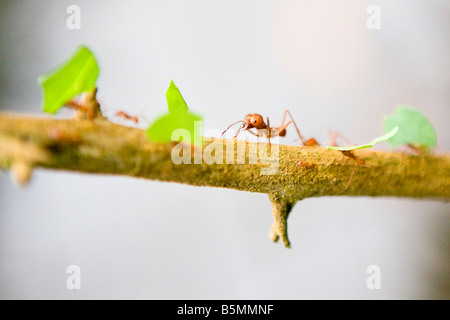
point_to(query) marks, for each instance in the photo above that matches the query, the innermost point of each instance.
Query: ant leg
(295, 125)
(237, 133)
(296, 128)
(283, 127)
(344, 138)
(142, 116)
(119, 118)
(333, 135)
(258, 134)
(284, 119)
(251, 132)
(76, 105)
(72, 104)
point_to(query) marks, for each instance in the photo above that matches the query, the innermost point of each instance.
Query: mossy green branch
(100, 147)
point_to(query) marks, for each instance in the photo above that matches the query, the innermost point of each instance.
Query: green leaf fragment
(175, 101)
(384, 137)
(164, 128)
(76, 75)
(415, 128)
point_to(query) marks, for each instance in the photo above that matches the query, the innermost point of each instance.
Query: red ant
(333, 135)
(82, 110)
(75, 105)
(87, 106)
(256, 121)
(348, 153)
(126, 116)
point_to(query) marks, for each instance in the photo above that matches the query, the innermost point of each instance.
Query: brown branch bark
(291, 174)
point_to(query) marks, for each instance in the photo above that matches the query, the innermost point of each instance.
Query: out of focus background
(141, 239)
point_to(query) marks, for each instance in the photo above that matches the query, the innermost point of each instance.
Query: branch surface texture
(294, 173)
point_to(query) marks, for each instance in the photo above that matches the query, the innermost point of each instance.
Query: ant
(333, 136)
(126, 116)
(87, 105)
(122, 115)
(255, 120)
(76, 105)
(348, 153)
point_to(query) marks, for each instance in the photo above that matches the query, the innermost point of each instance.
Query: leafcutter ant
(332, 137)
(76, 105)
(122, 115)
(256, 121)
(126, 116)
(87, 106)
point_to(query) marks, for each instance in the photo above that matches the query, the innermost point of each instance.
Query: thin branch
(102, 147)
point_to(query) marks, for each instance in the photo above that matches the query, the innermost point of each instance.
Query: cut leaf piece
(175, 101)
(76, 75)
(415, 128)
(161, 129)
(370, 144)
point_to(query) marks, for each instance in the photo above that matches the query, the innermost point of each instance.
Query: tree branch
(293, 173)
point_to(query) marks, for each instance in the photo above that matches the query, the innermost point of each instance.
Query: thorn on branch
(280, 211)
(21, 172)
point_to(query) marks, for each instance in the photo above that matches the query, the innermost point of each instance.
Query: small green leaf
(386, 136)
(76, 75)
(161, 129)
(370, 144)
(178, 117)
(175, 100)
(415, 128)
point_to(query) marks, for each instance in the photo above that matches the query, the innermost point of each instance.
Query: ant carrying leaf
(348, 151)
(87, 106)
(75, 76)
(384, 137)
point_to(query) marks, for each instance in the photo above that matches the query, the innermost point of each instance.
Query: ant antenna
(231, 126)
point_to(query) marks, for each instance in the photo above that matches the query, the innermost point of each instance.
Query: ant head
(254, 121)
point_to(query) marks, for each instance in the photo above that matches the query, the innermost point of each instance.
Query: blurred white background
(145, 239)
